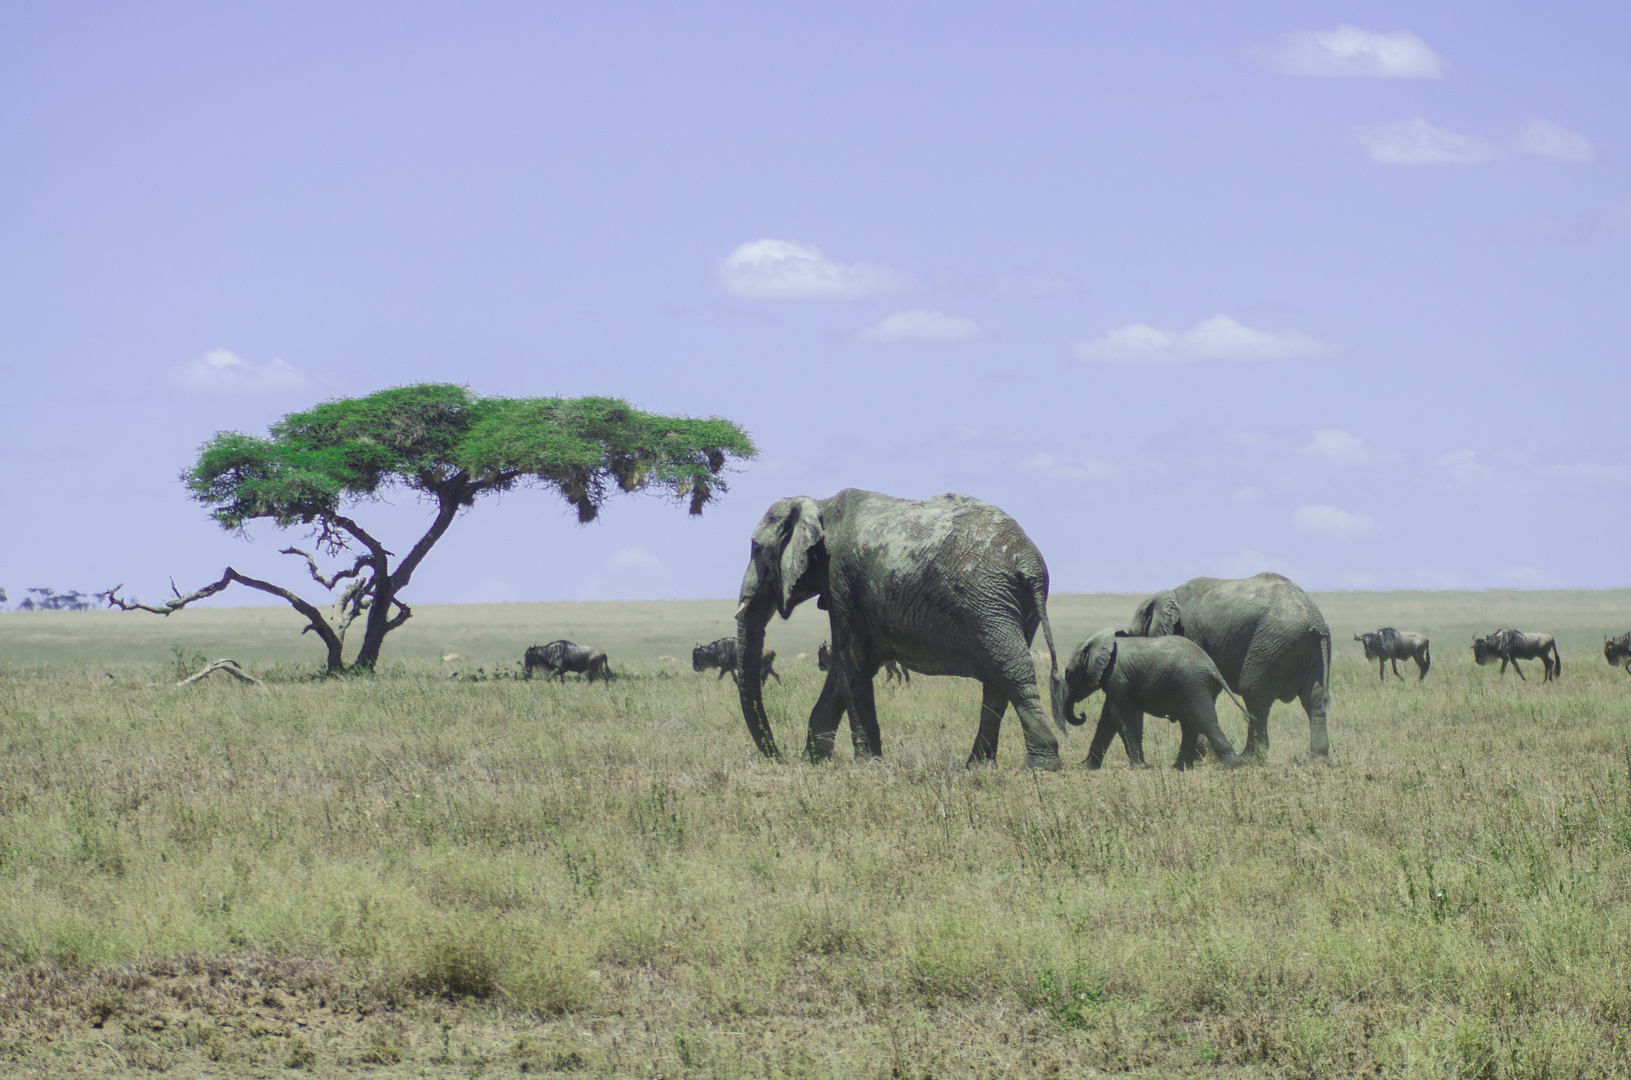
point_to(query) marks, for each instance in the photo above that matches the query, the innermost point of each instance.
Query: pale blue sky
(1338, 290)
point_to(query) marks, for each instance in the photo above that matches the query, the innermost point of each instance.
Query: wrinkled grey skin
(721, 654)
(890, 669)
(1267, 638)
(1388, 644)
(1617, 651)
(1170, 677)
(945, 586)
(559, 657)
(1509, 646)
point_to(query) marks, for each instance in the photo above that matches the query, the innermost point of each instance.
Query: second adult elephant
(945, 586)
(1171, 677)
(1267, 638)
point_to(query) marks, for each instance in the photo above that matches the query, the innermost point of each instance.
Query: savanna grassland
(416, 875)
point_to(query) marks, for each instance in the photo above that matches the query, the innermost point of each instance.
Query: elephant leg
(863, 712)
(1257, 723)
(1018, 683)
(993, 703)
(1205, 722)
(1132, 736)
(1187, 745)
(824, 718)
(1109, 727)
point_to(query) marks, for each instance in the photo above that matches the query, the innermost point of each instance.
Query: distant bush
(51, 600)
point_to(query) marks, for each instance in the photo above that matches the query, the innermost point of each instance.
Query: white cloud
(1072, 468)
(787, 270)
(1463, 467)
(634, 559)
(1217, 338)
(1331, 521)
(1337, 445)
(920, 325)
(1544, 139)
(1350, 51)
(1417, 142)
(222, 372)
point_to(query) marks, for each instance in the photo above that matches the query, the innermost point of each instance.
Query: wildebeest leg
(993, 703)
(1516, 668)
(1257, 723)
(771, 674)
(723, 671)
(1395, 662)
(824, 718)
(1381, 668)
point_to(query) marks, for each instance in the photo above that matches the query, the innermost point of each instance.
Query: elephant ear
(1101, 653)
(803, 533)
(1158, 616)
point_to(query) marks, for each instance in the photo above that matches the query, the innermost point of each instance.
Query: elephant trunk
(750, 647)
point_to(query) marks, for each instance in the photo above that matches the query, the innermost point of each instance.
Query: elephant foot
(1043, 762)
(1230, 762)
(1091, 762)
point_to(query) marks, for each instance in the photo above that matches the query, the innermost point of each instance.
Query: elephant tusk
(743, 606)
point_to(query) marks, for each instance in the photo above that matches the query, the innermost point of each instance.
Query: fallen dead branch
(229, 666)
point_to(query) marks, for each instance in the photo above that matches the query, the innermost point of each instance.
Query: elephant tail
(1056, 685)
(1238, 705)
(1325, 675)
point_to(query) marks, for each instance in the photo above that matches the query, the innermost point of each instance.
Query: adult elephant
(945, 586)
(1266, 636)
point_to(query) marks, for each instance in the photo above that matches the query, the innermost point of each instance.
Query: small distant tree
(450, 447)
(51, 600)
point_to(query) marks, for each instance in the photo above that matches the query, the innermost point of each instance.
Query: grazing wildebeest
(722, 655)
(1390, 645)
(1617, 651)
(890, 669)
(559, 657)
(1509, 646)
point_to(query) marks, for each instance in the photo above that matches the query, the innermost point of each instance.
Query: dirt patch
(248, 1015)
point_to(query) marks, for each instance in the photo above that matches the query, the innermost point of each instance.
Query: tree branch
(403, 614)
(449, 504)
(375, 548)
(316, 574)
(318, 623)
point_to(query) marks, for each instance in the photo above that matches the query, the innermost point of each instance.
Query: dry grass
(417, 876)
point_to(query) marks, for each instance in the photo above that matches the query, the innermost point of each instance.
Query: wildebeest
(890, 669)
(1390, 645)
(559, 657)
(721, 654)
(1509, 646)
(1617, 651)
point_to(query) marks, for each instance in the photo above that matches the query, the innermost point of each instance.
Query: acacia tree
(451, 447)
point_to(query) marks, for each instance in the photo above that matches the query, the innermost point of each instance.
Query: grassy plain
(415, 875)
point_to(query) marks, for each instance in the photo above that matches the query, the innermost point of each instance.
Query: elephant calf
(1169, 676)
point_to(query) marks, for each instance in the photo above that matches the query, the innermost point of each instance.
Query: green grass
(427, 876)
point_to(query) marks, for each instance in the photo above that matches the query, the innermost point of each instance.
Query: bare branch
(115, 600)
(317, 575)
(230, 667)
(318, 623)
(375, 548)
(404, 613)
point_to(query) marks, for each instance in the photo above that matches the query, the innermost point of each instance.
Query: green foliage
(442, 439)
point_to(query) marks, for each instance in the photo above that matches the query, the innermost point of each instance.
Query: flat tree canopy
(450, 446)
